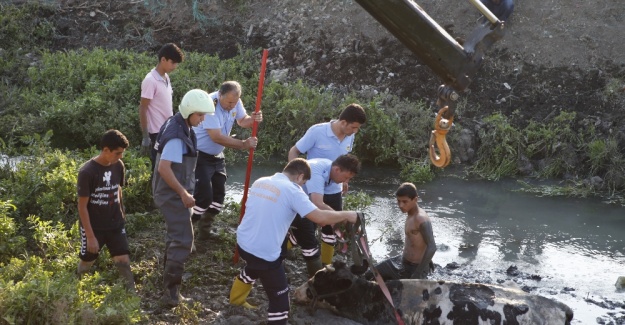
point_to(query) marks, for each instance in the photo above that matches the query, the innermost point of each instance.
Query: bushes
(80, 94)
(43, 182)
(43, 296)
(11, 244)
(553, 148)
(43, 288)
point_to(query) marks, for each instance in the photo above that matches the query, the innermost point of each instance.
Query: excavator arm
(454, 63)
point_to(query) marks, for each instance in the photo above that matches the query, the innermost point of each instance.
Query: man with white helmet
(173, 184)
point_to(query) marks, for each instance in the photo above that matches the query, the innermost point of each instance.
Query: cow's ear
(343, 284)
(359, 269)
(339, 265)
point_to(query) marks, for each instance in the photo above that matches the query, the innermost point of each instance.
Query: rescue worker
(329, 140)
(213, 135)
(273, 203)
(326, 174)
(173, 183)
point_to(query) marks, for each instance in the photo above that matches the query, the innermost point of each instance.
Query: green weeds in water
(553, 148)
(575, 189)
(499, 150)
(357, 201)
(417, 172)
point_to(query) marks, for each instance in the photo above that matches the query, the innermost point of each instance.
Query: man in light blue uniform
(272, 205)
(326, 175)
(329, 140)
(213, 135)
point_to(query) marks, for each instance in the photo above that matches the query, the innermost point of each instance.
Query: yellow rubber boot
(239, 292)
(327, 252)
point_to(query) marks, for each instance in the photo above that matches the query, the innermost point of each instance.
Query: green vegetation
(558, 148)
(37, 280)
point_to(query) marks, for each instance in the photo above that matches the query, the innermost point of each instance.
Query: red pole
(250, 159)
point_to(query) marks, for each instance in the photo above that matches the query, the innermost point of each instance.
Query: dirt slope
(557, 54)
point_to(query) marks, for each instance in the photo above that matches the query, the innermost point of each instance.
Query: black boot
(312, 266)
(204, 226)
(172, 280)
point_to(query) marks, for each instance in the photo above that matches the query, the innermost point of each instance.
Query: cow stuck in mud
(428, 301)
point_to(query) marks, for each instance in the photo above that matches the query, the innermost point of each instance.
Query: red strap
(378, 278)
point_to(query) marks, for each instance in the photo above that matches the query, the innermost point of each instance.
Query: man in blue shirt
(173, 183)
(213, 135)
(272, 205)
(330, 140)
(326, 175)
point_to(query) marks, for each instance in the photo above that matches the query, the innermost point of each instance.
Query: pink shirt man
(160, 93)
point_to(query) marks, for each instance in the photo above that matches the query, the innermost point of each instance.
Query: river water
(571, 250)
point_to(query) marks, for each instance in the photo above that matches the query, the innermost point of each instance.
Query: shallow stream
(571, 250)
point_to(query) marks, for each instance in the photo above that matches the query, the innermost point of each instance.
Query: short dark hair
(407, 189)
(230, 86)
(171, 51)
(348, 163)
(353, 113)
(298, 166)
(113, 139)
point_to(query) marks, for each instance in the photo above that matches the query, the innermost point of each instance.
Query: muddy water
(571, 250)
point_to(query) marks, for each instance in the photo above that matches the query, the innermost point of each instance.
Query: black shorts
(115, 240)
(394, 268)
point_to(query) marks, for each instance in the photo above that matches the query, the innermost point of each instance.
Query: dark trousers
(394, 268)
(179, 231)
(210, 185)
(335, 201)
(302, 232)
(273, 279)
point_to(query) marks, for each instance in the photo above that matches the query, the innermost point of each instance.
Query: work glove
(145, 147)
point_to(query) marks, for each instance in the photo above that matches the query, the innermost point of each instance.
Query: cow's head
(330, 281)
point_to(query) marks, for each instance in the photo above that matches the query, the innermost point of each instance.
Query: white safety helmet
(196, 101)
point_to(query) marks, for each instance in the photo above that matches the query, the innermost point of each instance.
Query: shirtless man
(419, 247)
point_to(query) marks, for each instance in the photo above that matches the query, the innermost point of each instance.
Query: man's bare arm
(294, 153)
(328, 217)
(247, 121)
(428, 237)
(230, 142)
(143, 116)
(143, 122)
(317, 199)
